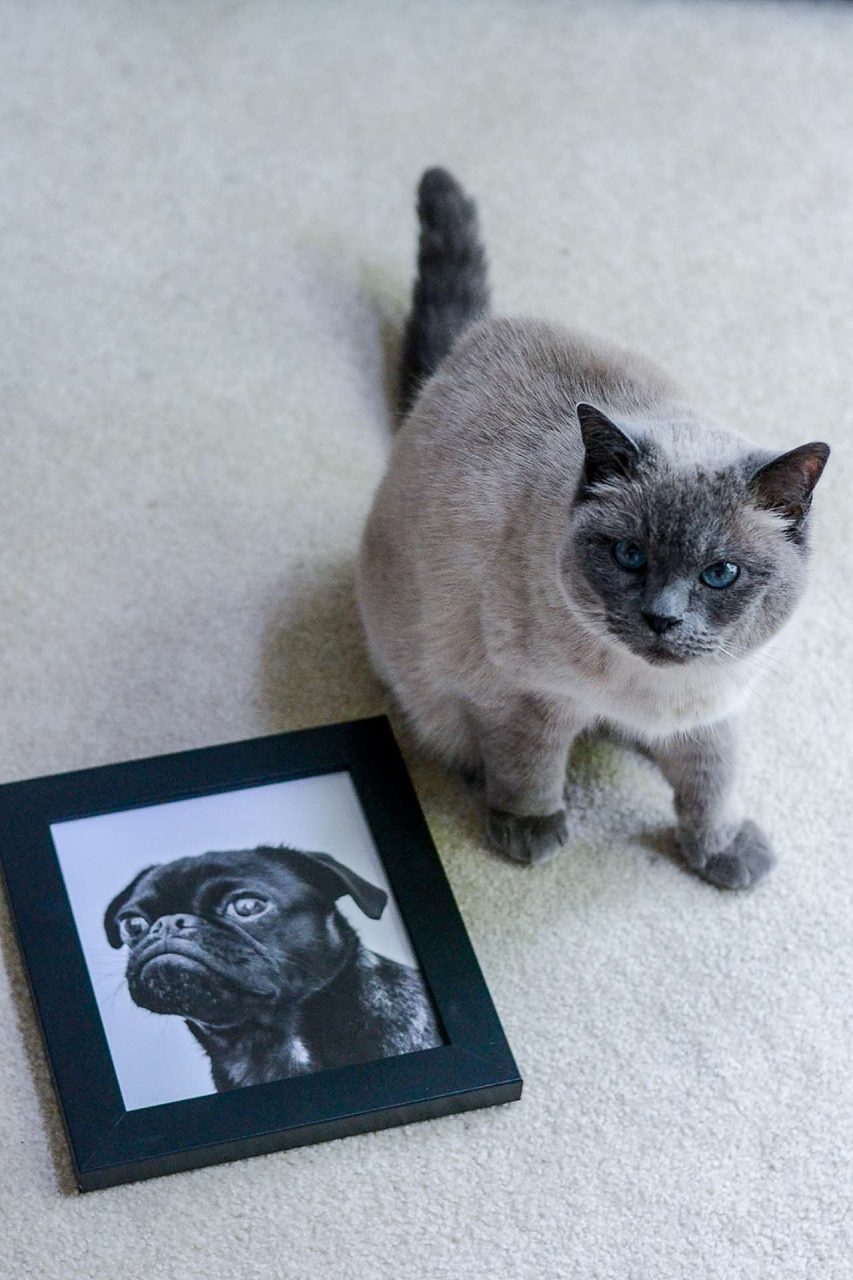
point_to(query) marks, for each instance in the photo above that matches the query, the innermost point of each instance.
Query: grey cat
(562, 542)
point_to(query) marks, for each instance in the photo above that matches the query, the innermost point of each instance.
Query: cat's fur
(493, 605)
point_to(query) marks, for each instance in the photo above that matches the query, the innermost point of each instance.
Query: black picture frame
(111, 1145)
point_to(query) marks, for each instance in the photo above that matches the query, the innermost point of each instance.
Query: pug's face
(229, 938)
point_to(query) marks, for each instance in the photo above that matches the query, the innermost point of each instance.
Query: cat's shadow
(658, 843)
(315, 670)
(314, 666)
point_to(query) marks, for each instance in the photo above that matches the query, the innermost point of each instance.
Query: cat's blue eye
(721, 574)
(629, 555)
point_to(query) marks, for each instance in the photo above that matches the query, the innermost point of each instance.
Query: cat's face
(679, 564)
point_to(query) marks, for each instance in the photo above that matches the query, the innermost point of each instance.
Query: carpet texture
(207, 247)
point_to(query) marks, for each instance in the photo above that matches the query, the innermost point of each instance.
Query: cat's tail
(451, 289)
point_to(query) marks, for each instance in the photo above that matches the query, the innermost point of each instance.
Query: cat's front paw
(744, 862)
(526, 839)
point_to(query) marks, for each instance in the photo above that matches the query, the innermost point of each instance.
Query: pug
(249, 947)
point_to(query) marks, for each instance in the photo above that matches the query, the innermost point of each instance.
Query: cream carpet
(207, 242)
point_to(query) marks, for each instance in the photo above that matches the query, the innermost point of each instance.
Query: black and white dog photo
(250, 948)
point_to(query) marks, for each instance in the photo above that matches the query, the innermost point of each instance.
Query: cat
(561, 542)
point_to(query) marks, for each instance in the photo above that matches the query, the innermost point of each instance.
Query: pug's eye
(132, 928)
(246, 906)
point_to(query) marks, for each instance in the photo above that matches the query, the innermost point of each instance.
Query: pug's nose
(166, 926)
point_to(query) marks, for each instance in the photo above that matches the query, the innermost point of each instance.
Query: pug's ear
(110, 921)
(336, 881)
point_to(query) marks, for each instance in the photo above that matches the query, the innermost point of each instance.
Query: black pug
(273, 981)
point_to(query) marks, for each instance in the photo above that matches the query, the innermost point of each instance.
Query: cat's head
(678, 561)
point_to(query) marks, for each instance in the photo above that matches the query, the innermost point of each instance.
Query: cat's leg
(442, 725)
(524, 751)
(717, 844)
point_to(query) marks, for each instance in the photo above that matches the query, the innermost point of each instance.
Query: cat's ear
(785, 484)
(609, 452)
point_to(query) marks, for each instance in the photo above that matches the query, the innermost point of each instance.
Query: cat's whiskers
(768, 664)
(753, 685)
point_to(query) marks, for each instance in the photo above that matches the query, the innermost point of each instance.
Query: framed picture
(244, 948)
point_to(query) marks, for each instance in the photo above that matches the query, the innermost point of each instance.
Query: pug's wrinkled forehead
(195, 883)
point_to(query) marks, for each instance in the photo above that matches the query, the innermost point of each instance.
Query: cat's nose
(660, 622)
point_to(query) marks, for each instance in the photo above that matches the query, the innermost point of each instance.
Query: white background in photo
(156, 1058)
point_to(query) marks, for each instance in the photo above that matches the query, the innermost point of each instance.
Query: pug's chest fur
(255, 1053)
(373, 1008)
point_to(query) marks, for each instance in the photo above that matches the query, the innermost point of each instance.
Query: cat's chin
(659, 656)
(657, 653)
